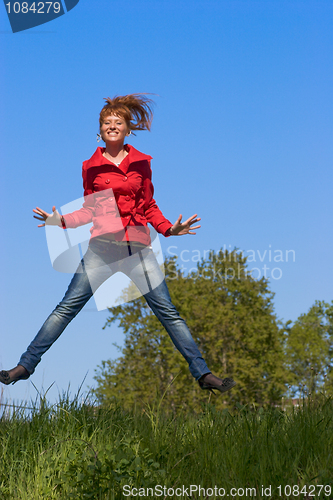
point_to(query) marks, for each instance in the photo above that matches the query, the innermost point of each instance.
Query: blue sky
(242, 135)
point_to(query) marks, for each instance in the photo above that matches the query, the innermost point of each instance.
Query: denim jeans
(103, 259)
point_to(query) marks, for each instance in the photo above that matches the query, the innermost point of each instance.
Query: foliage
(86, 473)
(309, 350)
(71, 450)
(231, 318)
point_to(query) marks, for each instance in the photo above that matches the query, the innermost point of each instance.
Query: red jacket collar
(98, 159)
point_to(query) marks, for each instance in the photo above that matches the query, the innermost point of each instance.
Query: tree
(230, 316)
(309, 350)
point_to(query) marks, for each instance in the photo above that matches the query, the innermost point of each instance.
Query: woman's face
(114, 129)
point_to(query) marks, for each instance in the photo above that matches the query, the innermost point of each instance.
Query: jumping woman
(118, 194)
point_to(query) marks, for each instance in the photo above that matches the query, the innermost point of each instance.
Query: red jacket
(120, 199)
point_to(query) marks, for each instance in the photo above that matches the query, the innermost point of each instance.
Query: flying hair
(136, 109)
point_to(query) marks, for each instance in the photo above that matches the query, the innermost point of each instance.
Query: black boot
(210, 382)
(13, 375)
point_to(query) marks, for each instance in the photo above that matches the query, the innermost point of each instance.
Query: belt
(120, 243)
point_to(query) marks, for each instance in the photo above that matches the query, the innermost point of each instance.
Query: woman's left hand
(180, 227)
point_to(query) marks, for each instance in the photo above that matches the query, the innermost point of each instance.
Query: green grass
(75, 450)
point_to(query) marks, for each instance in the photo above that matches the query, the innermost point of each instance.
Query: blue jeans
(102, 259)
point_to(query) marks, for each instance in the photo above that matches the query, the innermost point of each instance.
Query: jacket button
(107, 181)
(127, 198)
(125, 179)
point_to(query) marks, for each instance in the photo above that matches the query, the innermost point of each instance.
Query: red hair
(136, 109)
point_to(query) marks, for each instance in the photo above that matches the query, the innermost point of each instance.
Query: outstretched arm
(53, 219)
(179, 228)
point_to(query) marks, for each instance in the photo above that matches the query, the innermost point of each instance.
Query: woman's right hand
(50, 219)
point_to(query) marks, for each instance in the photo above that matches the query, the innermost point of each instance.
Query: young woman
(118, 195)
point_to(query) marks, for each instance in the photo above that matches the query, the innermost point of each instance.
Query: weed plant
(74, 449)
